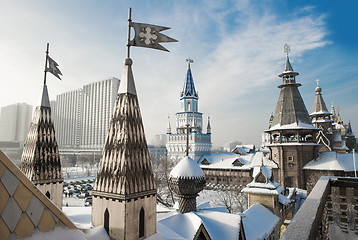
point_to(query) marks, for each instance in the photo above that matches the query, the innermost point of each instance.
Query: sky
(237, 48)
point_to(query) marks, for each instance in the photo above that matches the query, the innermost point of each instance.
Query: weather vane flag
(52, 66)
(147, 35)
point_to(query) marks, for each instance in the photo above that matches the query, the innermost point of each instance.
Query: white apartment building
(15, 120)
(83, 115)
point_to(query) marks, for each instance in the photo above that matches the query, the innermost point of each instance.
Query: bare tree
(161, 168)
(232, 198)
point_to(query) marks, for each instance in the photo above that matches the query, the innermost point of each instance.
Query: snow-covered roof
(333, 161)
(59, 233)
(226, 160)
(265, 170)
(295, 125)
(219, 225)
(187, 168)
(261, 157)
(321, 112)
(271, 188)
(258, 222)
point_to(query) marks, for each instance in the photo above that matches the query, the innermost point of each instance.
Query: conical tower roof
(125, 170)
(288, 70)
(209, 126)
(40, 160)
(319, 106)
(189, 87)
(290, 110)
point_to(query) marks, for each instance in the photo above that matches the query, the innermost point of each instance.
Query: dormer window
(205, 162)
(237, 163)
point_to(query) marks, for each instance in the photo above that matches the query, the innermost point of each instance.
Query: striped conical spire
(40, 160)
(125, 170)
(189, 87)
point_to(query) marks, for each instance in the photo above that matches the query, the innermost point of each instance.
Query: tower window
(106, 220)
(290, 158)
(141, 223)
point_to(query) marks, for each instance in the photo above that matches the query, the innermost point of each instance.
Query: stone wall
(123, 216)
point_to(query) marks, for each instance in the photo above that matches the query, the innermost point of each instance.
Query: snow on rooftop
(59, 233)
(188, 168)
(283, 200)
(258, 222)
(226, 160)
(266, 188)
(321, 112)
(219, 225)
(299, 125)
(185, 225)
(80, 216)
(265, 170)
(333, 161)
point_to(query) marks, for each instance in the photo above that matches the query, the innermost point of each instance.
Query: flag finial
(287, 48)
(189, 60)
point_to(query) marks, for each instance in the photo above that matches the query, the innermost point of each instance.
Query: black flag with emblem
(53, 68)
(147, 35)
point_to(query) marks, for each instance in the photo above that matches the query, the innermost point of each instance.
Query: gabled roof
(23, 207)
(189, 87)
(226, 160)
(258, 222)
(218, 225)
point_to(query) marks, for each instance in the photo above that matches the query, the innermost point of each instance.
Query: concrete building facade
(15, 120)
(82, 116)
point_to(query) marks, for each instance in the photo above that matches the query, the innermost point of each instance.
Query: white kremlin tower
(189, 118)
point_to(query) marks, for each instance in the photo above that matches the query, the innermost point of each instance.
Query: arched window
(48, 194)
(141, 223)
(106, 220)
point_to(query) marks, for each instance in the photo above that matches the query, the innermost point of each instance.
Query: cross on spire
(317, 80)
(287, 48)
(189, 60)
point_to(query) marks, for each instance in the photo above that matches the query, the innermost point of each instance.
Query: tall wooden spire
(291, 132)
(40, 160)
(124, 191)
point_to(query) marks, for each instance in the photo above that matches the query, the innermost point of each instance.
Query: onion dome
(187, 179)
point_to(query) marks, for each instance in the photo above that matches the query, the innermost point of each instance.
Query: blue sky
(237, 47)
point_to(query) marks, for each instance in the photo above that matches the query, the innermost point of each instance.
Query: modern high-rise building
(15, 121)
(68, 118)
(82, 116)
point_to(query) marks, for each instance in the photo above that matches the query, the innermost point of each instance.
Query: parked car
(88, 201)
